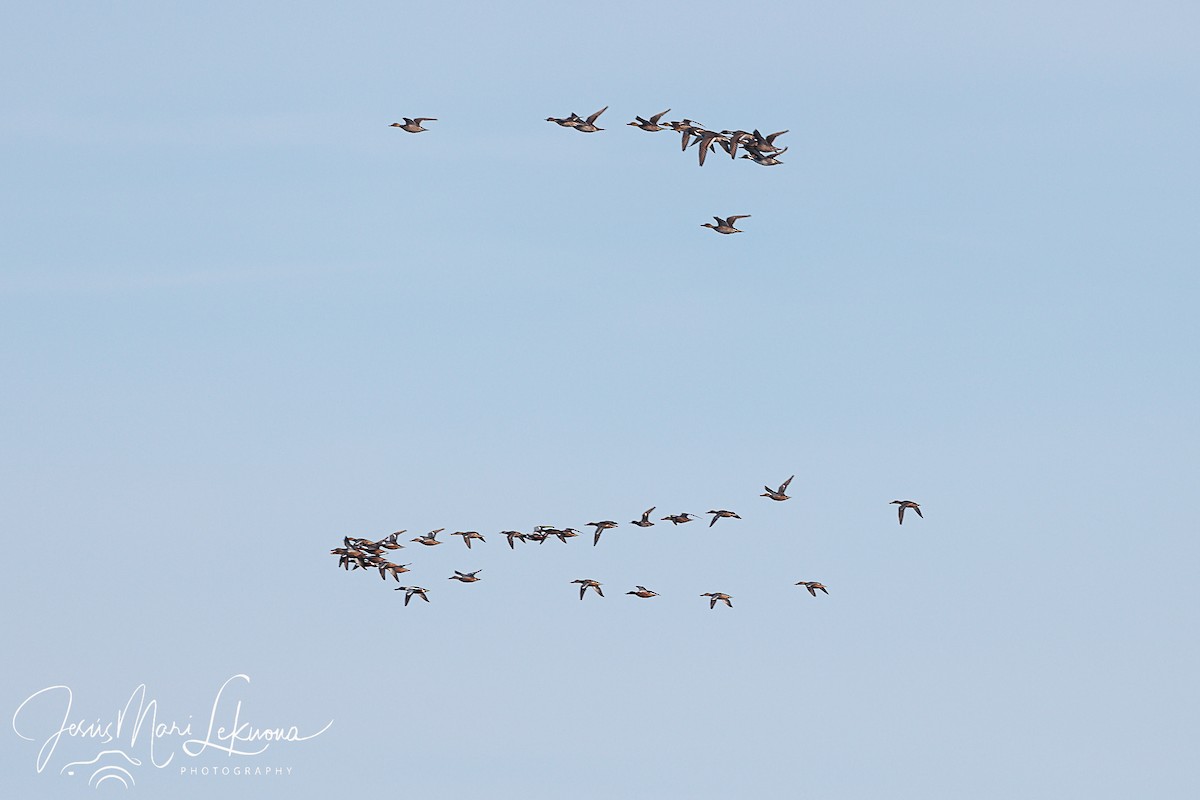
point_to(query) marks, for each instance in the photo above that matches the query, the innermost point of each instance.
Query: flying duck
(588, 583)
(589, 124)
(413, 125)
(777, 494)
(721, 513)
(721, 596)
(644, 522)
(907, 504)
(812, 587)
(602, 525)
(725, 225)
(409, 591)
(429, 539)
(650, 124)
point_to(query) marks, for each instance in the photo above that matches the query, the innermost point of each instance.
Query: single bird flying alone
(413, 125)
(812, 587)
(907, 504)
(725, 225)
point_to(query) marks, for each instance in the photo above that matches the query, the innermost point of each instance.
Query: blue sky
(242, 318)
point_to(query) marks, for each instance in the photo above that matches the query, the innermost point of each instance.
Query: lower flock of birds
(366, 554)
(756, 147)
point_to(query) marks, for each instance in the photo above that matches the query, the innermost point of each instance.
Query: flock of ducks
(760, 149)
(358, 553)
(365, 554)
(756, 147)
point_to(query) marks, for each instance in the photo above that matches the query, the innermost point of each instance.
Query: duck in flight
(409, 591)
(907, 504)
(644, 522)
(679, 519)
(718, 596)
(766, 144)
(589, 124)
(601, 527)
(466, 577)
(725, 225)
(764, 159)
(777, 494)
(717, 514)
(564, 534)
(812, 587)
(413, 125)
(566, 122)
(468, 536)
(390, 542)
(642, 591)
(588, 583)
(395, 569)
(429, 539)
(651, 124)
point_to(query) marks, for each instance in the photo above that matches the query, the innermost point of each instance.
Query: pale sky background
(241, 318)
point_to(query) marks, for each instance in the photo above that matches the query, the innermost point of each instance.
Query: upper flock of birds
(756, 147)
(367, 554)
